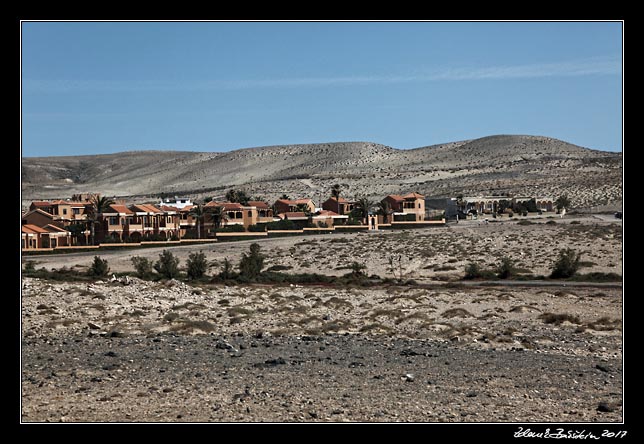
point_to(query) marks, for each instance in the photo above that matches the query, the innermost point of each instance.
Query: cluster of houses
(60, 223)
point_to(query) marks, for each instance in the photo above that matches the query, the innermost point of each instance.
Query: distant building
(491, 204)
(340, 206)
(177, 202)
(287, 205)
(410, 207)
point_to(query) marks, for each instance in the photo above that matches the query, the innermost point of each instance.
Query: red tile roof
(54, 229)
(41, 203)
(258, 204)
(148, 208)
(294, 201)
(31, 228)
(228, 206)
(293, 215)
(38, 210)
(413, 196)
(121, 209)
(396, 197)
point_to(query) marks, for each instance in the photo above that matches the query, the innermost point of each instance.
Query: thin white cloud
(575, 68)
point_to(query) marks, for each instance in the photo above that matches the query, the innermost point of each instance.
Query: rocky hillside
(517, 164)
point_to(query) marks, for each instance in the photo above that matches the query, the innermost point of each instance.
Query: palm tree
(239, 196)
(98, 206)
(218, 215)
(384, 209)
(285, 197)
(198, 213)
(362, 206)
(335, 192)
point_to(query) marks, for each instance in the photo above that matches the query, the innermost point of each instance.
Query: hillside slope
(517, 164)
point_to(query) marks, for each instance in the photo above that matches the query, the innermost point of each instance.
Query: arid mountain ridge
(522, 165)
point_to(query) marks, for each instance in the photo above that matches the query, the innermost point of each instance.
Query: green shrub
(30, 266)
(197, 265)
(226, 272)
(357, 269)
(322, 224)
(99, 267)
(143, 266)
(251, 264)
(566, 265)
(506, 268)
(167, 265)
(190, 234)
(474, 271)
(231, 229)
(257, 228)
(283, 224)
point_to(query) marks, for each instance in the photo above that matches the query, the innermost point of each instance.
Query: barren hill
(518, 164)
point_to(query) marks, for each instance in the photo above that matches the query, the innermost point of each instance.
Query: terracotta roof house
(57, 237)
(237, 214)
(409, 207)
(32, 236)
(149, 220)
(287, 205)
(64, 212)
(341, 206)
(38, 217)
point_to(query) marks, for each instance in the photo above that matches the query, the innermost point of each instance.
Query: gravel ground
(171, 352)
(331, 378)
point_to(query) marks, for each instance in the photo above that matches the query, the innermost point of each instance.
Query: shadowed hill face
(519, 164)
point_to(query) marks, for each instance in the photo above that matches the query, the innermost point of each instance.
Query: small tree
(473, 271)
(239, 196)
(562, 202)
(506, 268)
(226, 270)
(99, 267)
(357, 269)
(198, 213)
(566, 265)
(167, 265)
(30, 266)
(197, 265)
(251, 264)
(392, 266)
(143, 266)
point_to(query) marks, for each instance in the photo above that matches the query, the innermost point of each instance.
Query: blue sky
(90, 88)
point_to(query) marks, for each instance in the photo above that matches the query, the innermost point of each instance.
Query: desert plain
(430, 348)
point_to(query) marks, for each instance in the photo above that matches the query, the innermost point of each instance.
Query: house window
(114, 220)
(75, 210)
(23, 243)
(250, 214)
(418, 205)
(64, 210)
